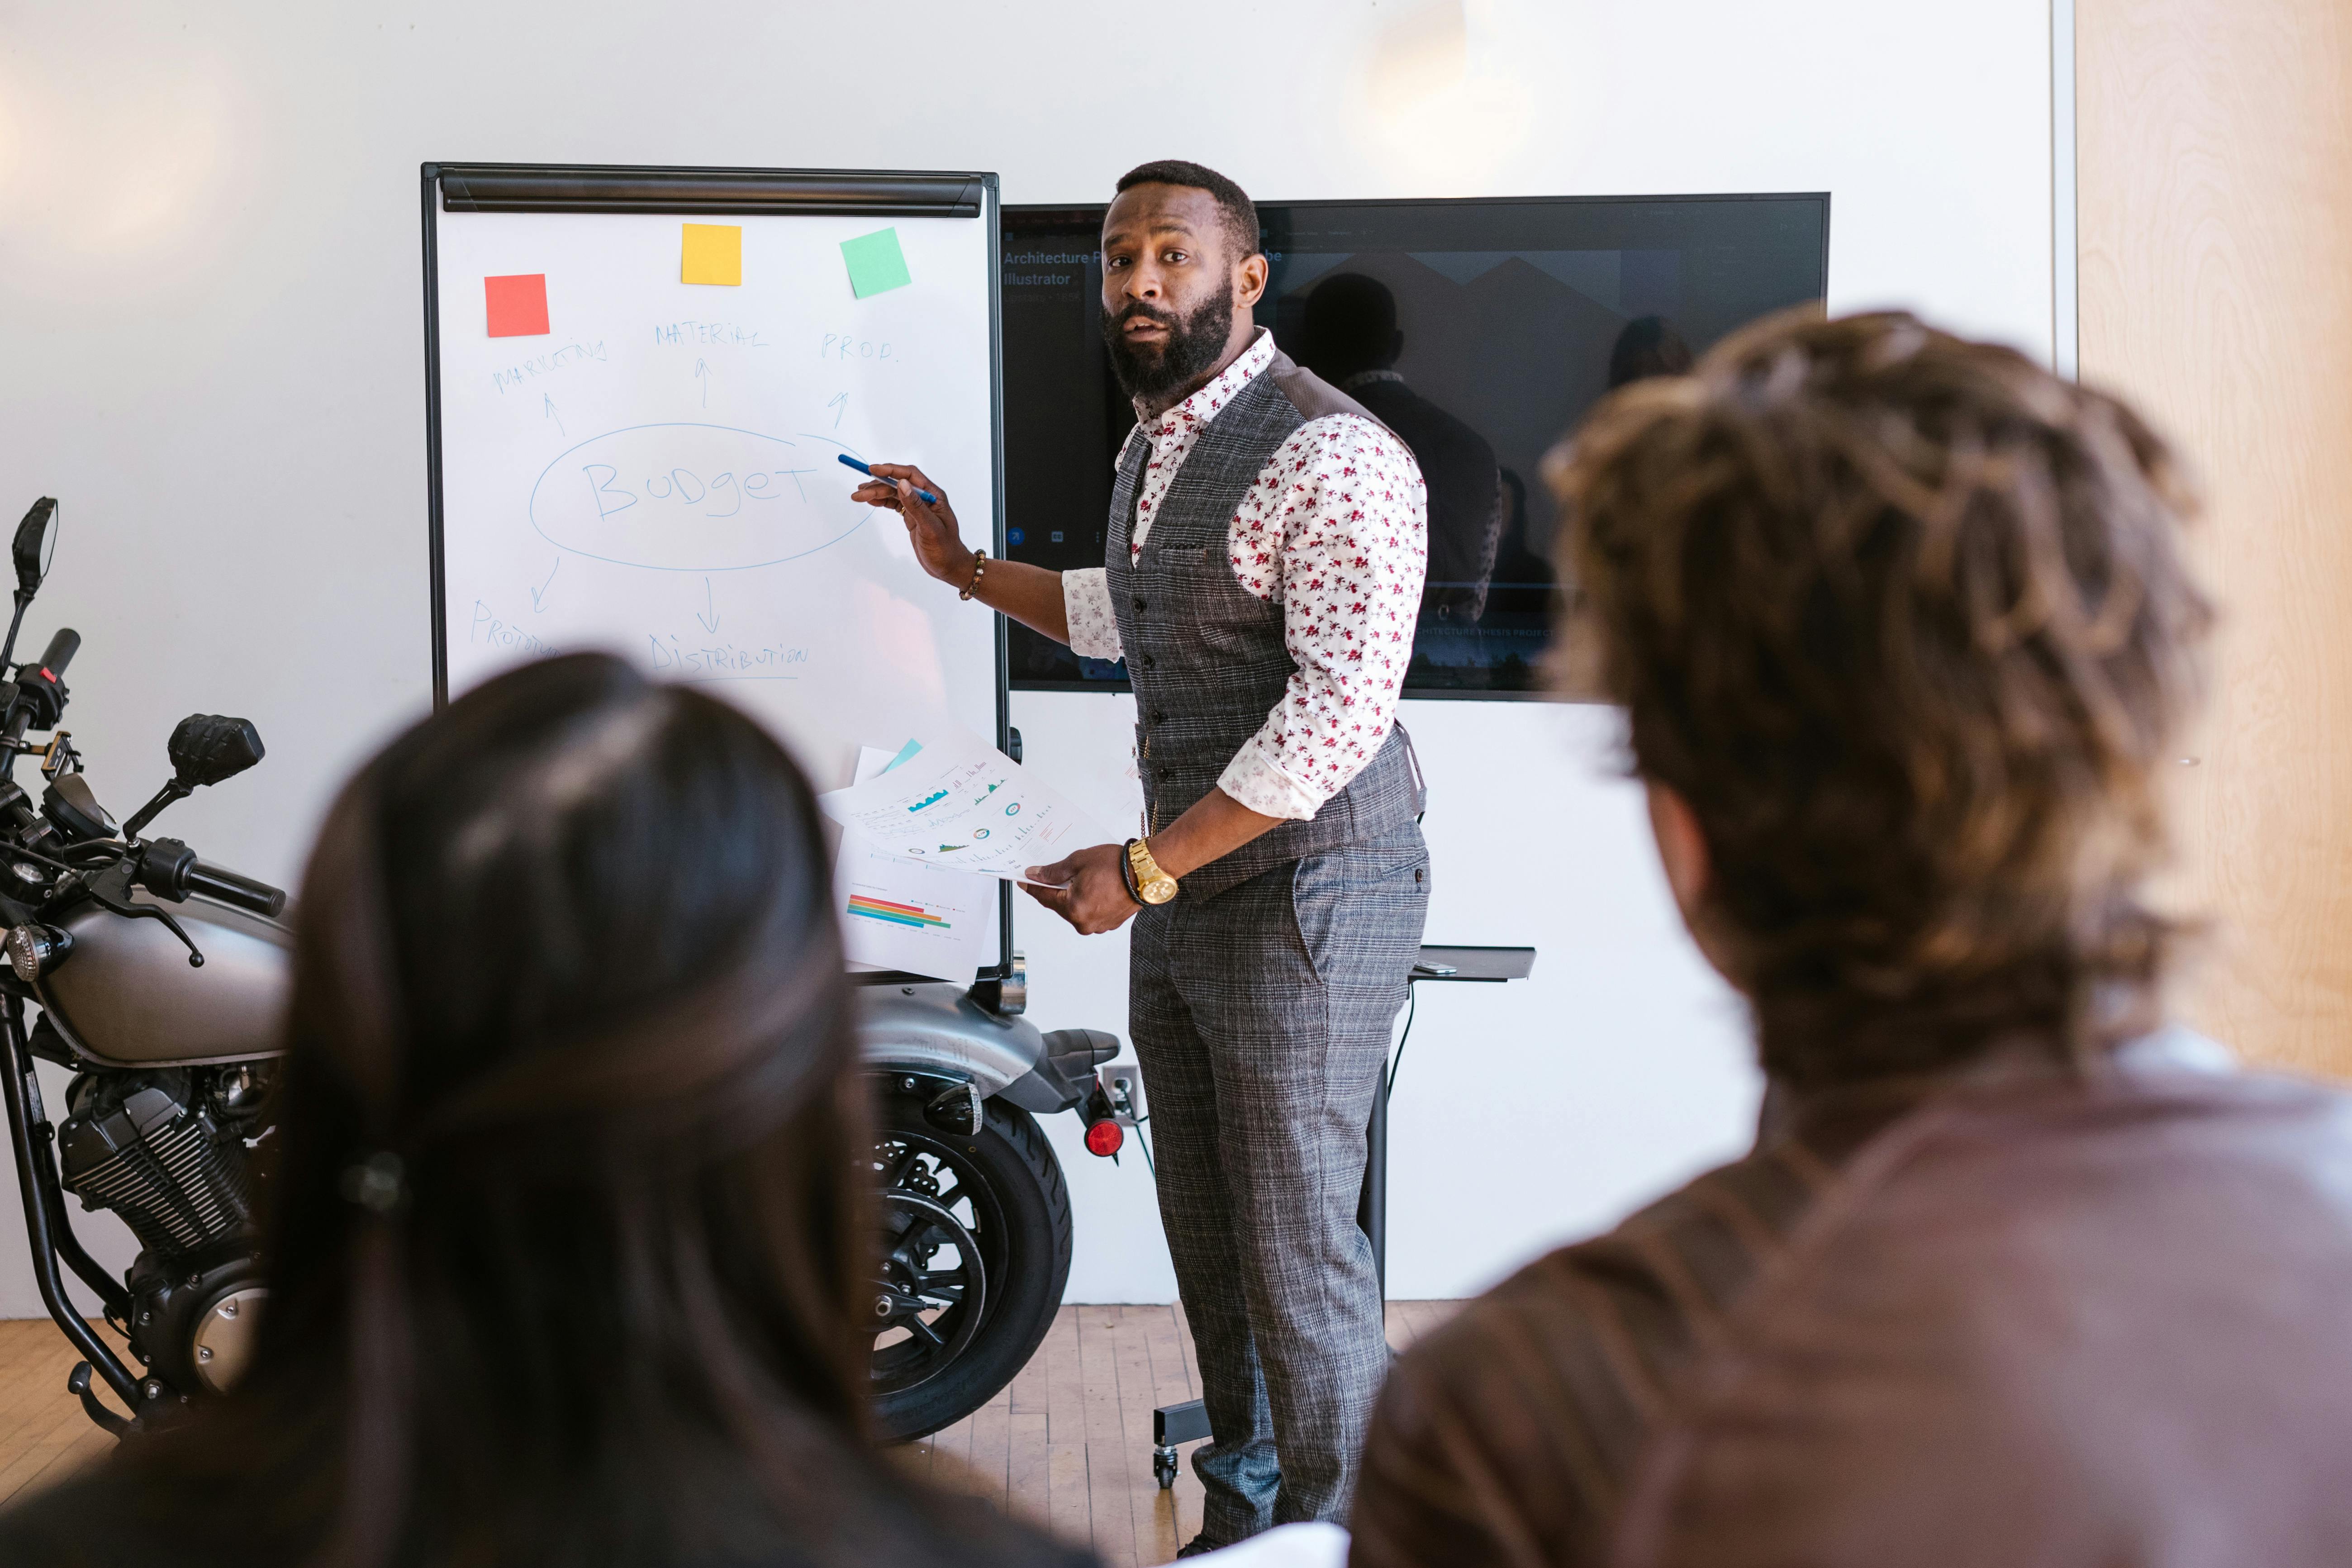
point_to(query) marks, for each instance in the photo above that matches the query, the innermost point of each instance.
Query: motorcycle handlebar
(225, 887)
(40, 699)
(60, 652)
(170, 869)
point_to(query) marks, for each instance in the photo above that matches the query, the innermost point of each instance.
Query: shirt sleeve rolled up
(1085, 602)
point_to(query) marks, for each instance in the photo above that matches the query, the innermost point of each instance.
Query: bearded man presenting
(1264, 568)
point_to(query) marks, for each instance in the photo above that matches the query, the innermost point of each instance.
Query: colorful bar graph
(896, 914)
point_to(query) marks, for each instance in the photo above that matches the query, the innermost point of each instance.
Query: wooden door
(2214, 142)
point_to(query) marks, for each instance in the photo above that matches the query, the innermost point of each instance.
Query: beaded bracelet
(978, 568)
(1126, 874)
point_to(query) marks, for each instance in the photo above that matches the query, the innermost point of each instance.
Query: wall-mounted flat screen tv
(1478, 330)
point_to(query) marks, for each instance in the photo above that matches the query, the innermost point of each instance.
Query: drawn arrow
(840, 405)
(539, 595)
(702, 375)
(710, 621)
(560, 430)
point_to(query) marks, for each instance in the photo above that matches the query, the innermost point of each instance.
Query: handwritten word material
(960, 804)
(712, 253)
(707, 334)
(517, 305)
(877, 265)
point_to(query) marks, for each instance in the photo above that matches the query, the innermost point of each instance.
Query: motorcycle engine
(142, 1145)
(167, 1151)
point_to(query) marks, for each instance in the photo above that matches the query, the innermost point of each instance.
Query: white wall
(209, 300)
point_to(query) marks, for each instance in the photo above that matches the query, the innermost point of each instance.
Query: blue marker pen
(928, 499)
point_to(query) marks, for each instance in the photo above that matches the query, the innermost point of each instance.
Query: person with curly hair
(2016, 1273)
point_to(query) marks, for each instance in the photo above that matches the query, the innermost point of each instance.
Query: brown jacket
(2020, 1319)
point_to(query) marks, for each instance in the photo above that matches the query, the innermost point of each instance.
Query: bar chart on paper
(862, 907)
(922, 920)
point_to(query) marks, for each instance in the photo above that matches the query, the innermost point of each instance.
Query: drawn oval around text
(693, 497)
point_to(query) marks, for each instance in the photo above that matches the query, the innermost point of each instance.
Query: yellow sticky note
(713, 254)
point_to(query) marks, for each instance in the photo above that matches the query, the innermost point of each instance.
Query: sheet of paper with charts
(898, 915)
(641, 416)
(917, 919)
(959, 804)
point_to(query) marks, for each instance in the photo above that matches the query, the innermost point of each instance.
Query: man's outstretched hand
(1030, 595)
(1085, 889)
(931, 529)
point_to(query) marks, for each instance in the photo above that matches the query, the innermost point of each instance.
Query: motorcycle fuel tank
(126, 997)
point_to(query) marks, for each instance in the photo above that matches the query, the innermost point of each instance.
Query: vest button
(1160, 716)
(1149, 662)
(1139, 604)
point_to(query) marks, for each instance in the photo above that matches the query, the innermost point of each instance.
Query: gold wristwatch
(1152, 884)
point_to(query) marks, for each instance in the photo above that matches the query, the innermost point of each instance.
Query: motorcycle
(157, 978)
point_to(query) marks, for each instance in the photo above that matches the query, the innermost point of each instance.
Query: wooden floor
(1067, 1444)
(44, 1435)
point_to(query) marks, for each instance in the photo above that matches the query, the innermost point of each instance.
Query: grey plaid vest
(1207, 658)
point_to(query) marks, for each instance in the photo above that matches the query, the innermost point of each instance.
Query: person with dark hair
(1520, 566)
(1266, 545)
(569, 1237)
(1648, 347)
(1350, 338)
(2016, 1273)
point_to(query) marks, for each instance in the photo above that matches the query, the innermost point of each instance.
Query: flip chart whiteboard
(624, 459)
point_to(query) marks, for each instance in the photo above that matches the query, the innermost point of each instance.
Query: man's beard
(1193, 345)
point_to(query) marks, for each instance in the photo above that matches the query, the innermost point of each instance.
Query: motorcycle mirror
(36, 542)
(72, 804)
(206, 748)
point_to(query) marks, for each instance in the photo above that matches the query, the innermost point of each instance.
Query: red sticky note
(518, 305)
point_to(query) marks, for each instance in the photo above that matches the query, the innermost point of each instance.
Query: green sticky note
(876, 262)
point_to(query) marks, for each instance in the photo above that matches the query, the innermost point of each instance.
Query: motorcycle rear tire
(1022, 1208)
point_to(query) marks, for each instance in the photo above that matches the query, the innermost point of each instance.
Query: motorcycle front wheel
(975, 1252)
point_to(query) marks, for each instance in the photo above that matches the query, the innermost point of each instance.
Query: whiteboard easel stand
(727, 192)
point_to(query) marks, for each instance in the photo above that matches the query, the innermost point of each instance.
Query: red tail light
(1105, 1137)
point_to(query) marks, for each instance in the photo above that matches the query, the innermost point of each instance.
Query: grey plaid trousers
(1262, 1018)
